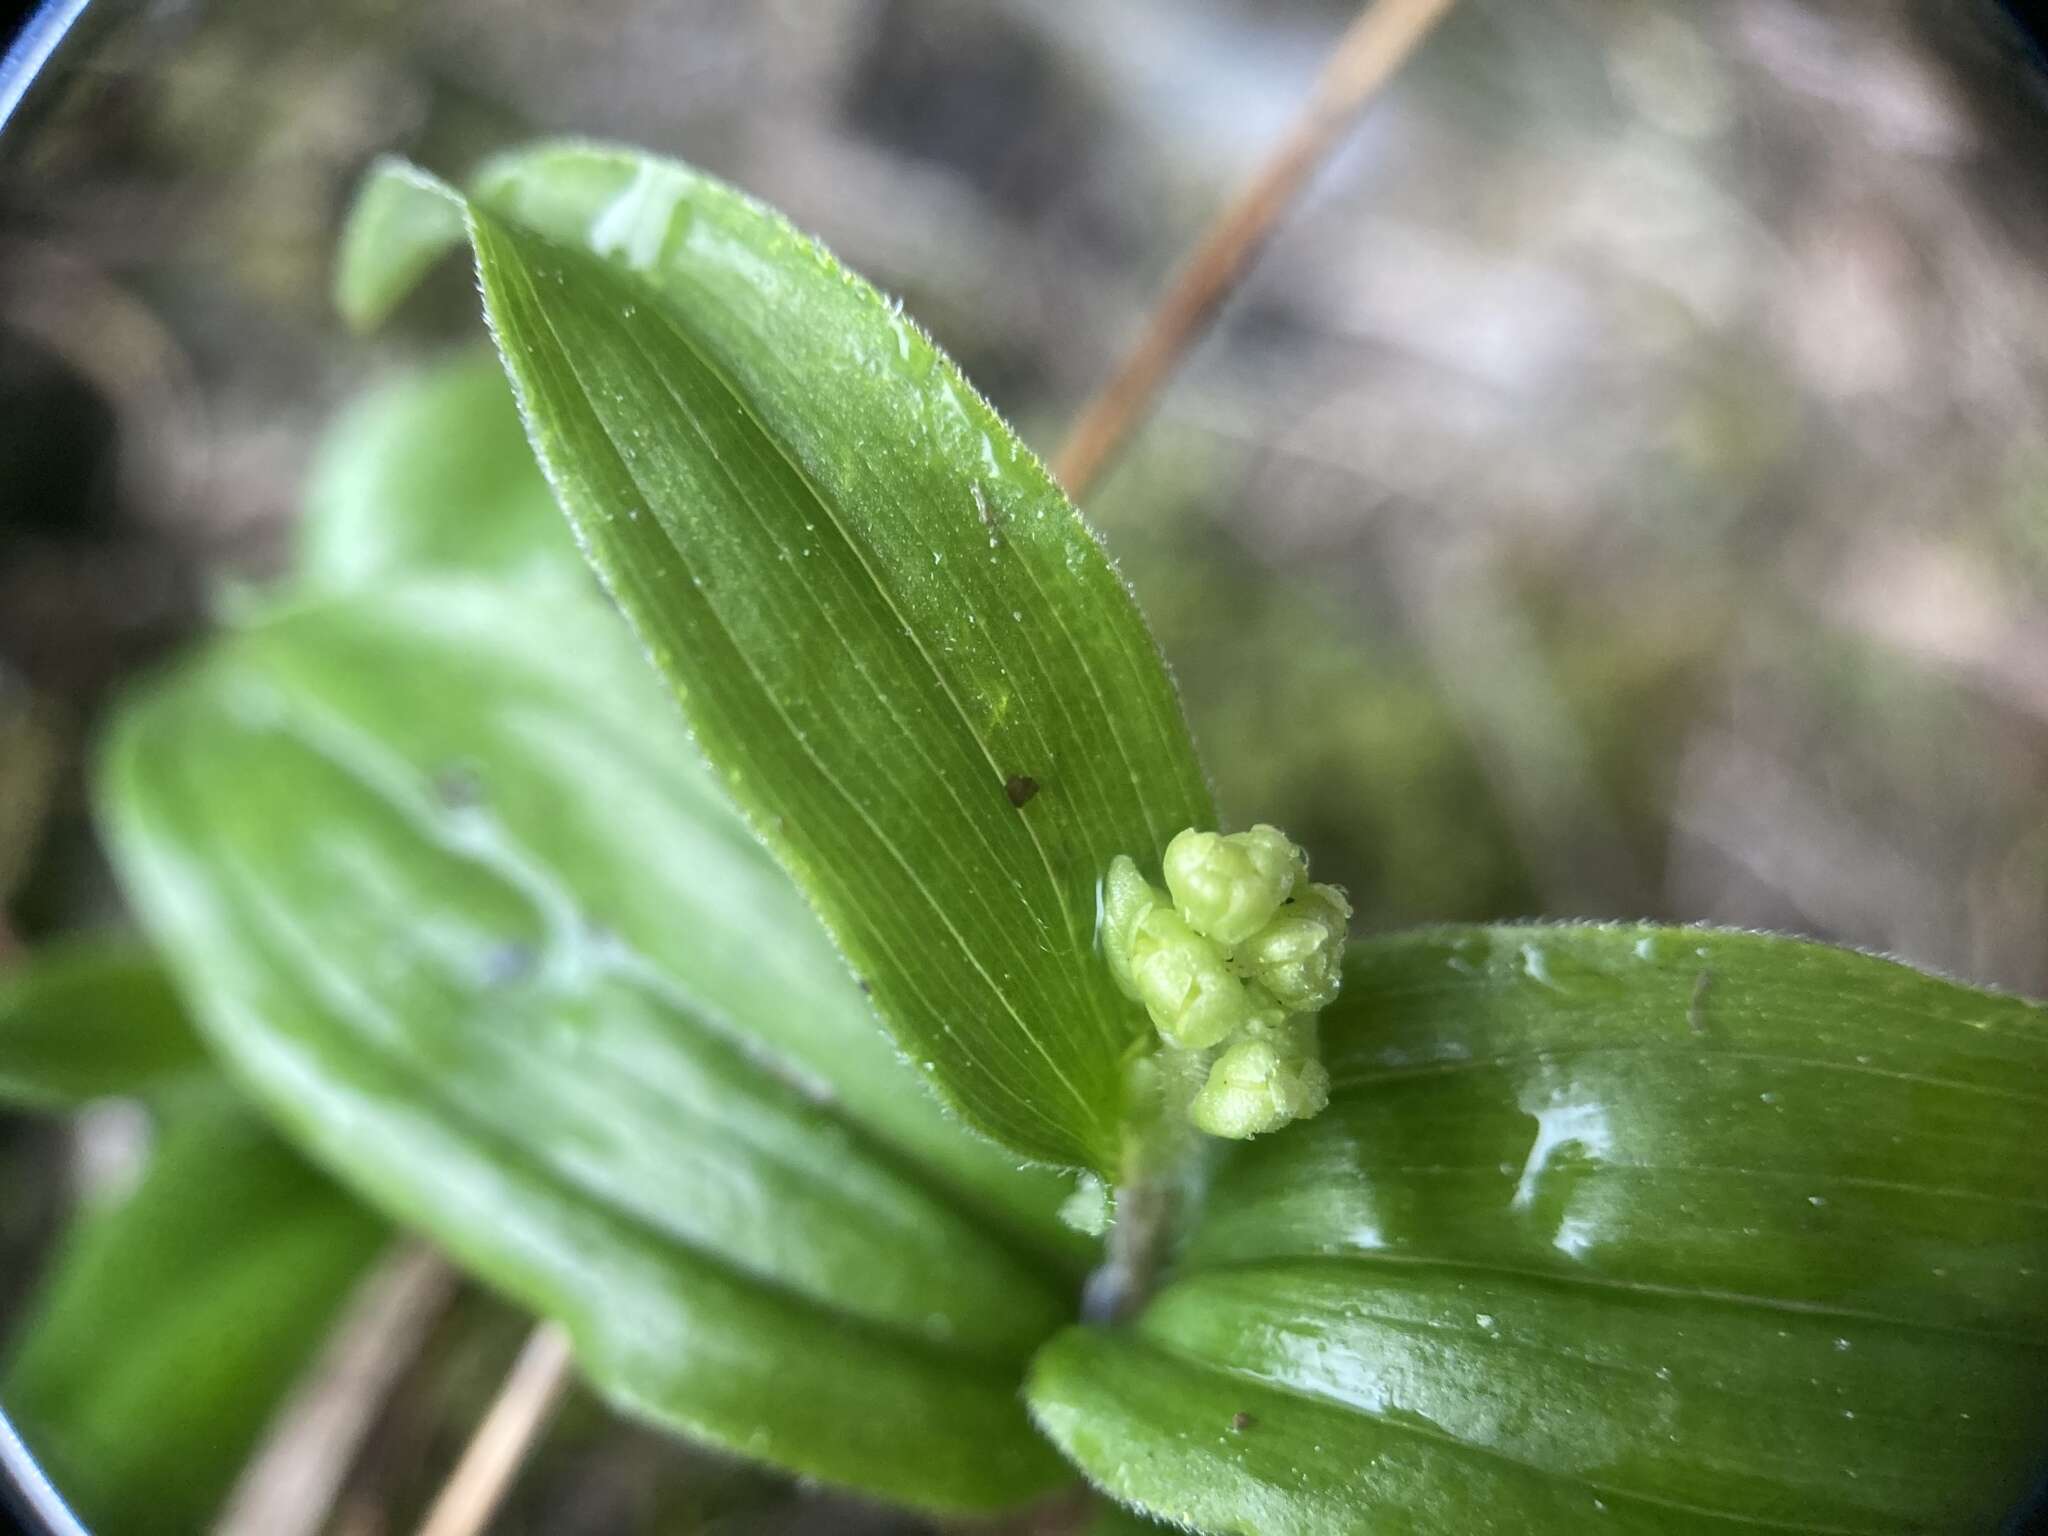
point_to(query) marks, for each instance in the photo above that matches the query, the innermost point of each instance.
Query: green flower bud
(1298, 957)
(1238, 958)
(1127, 897)
(1259, 1085)
(1184, 983)
(1229, 887)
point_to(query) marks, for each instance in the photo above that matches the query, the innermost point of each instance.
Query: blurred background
(1619, 491)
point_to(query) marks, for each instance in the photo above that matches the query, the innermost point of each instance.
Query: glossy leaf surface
(430, 472)
(452, 894)
(920, 676)
(92, 1019)
(1607, 1229)
(175, 1319)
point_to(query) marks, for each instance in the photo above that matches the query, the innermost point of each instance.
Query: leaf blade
(1577, 1227)
(403, 222)
(92, 1019)
(439, 988)
(173, 1321)
(428, 471)
(877, 608)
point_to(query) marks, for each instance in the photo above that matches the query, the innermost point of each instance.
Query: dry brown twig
(509, 1430)
(289, 1485)
(68, 304)
(1376, 45)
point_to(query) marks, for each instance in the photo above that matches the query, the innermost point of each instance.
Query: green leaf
(427, 472)
(92, 1019)
(921, 678)
(403, 222)
(1625, 1229)
(453, 895)
(405, 486)
(175, 1319)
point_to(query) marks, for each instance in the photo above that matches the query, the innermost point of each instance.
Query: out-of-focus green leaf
(443, 446)
(921, 678)
(430, 472)
(1624, 1229)
(92, 1019)
(176, 1318)
(403, 222)
(453, 895)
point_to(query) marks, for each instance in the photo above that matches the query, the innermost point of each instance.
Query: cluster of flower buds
(1236, 956)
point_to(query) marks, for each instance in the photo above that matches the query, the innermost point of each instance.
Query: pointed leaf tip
(404, 220)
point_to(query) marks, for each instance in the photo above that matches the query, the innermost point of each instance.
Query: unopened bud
(1227, 887)
(1194, 1000)
(1127, 896)
(1259, 1085)
(1298, 957)
(1239, 957)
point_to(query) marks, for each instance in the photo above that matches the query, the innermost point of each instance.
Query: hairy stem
(1164, 1163)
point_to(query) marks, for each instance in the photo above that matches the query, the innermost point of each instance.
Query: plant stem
(1375, 46)
(1161, 1177)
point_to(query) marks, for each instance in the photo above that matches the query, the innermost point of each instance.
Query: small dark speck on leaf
(864, 984)
(458, 788)
(1241, 1421)
(1020, 787)
(507, 963)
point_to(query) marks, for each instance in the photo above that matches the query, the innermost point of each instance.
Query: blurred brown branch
(289, 1485)
(508, 1433)
(1376, 45)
